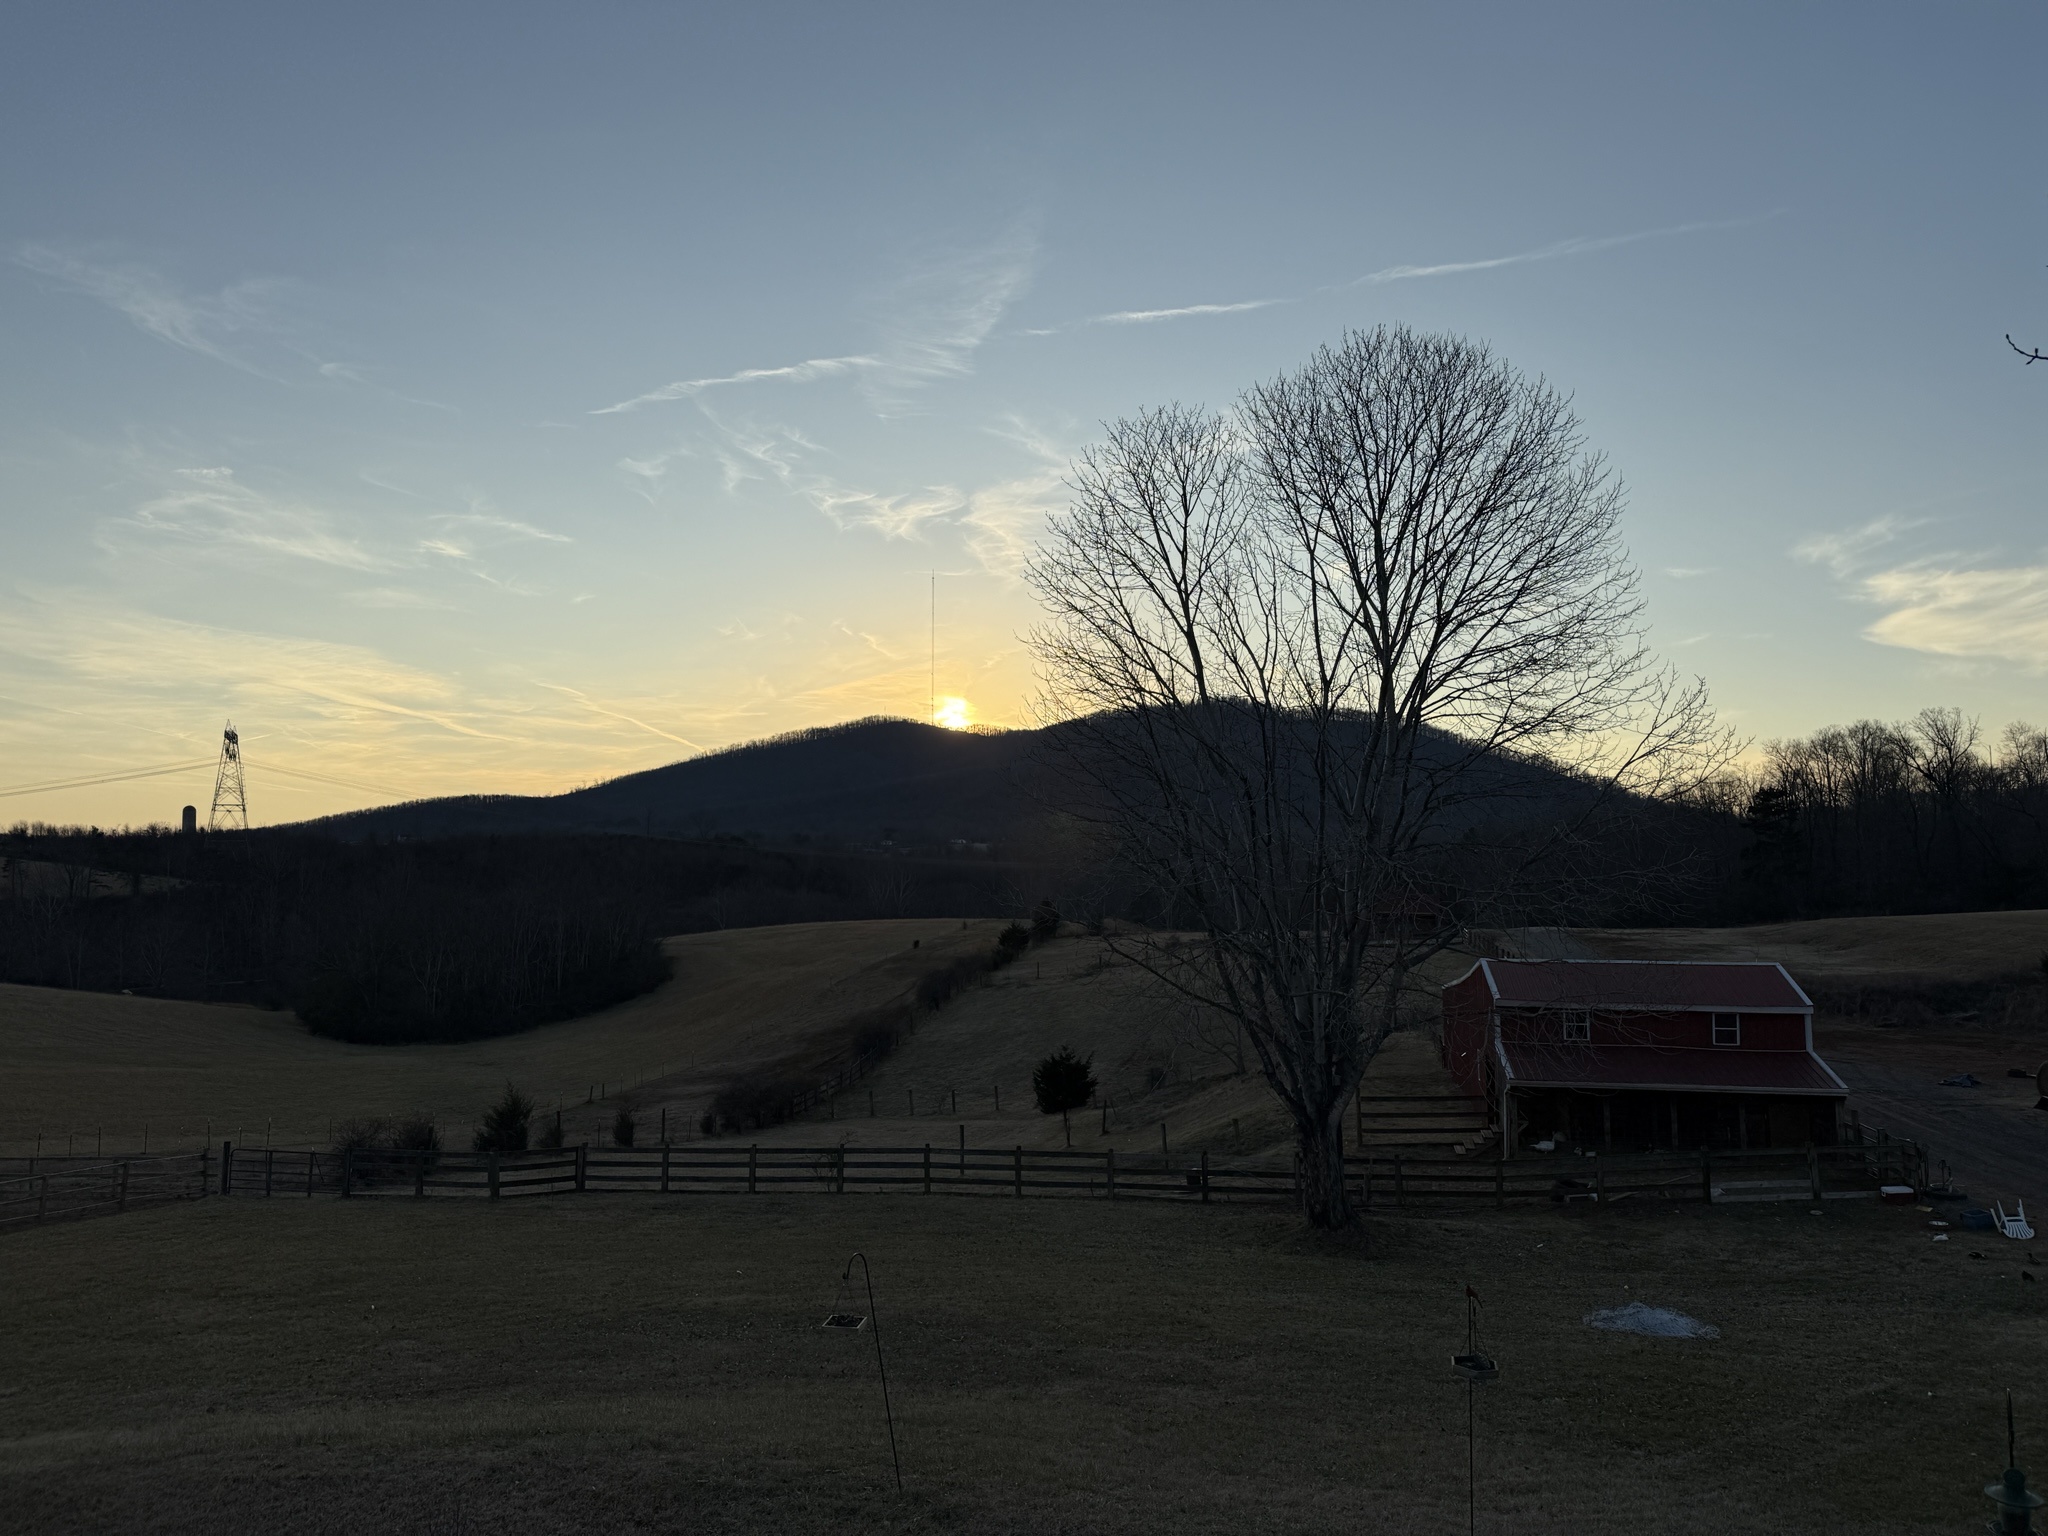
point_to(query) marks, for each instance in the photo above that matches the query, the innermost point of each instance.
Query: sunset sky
(504, 397)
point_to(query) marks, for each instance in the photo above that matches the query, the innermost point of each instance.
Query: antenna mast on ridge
(230, 803)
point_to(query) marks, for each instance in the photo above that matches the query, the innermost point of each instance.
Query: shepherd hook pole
(875, 1322)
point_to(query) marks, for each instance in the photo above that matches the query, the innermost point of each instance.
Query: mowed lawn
(622, 1363)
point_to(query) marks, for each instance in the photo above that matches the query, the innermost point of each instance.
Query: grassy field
(637, 1364)
(81, 1061)
(1961, 946)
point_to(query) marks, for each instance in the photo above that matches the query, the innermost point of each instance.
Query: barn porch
(1648, 1120)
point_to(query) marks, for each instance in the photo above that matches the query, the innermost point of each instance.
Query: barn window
(1727, 1029)
(1578, 1025)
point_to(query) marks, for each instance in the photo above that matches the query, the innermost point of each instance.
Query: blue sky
(501, 397)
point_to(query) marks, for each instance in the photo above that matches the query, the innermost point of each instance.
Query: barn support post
(1674, 1121)
(1813, 1169)
(1706, 1176)
(1500, 1181)
(1599, 1180)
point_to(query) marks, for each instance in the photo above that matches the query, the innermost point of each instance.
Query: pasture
(79, 1061)
(647, 1364)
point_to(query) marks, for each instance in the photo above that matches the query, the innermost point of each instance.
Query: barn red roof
(1659, 1067)
(1667, 985)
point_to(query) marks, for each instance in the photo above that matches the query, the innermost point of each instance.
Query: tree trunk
(1325, 1197)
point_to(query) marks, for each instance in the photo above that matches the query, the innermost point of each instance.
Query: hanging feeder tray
(1476, 1368)
(845, 1320)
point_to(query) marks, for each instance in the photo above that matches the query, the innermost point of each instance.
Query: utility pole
(931, 712)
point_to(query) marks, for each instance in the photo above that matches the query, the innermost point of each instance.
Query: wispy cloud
(1153, 316)
(209, 513)
(933, 320)
(792, 373)
(1942, 604)
(1577, 246)
(1844, 552)
(208, 324)
(1998, 613)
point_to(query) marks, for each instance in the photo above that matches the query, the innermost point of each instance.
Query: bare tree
(1338, 667)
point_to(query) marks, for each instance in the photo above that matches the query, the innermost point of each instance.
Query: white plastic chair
(2014, 1226)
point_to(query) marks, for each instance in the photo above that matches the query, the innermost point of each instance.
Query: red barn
(1641, 1054)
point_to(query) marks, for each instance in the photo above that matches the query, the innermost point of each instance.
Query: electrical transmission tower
(230, 804)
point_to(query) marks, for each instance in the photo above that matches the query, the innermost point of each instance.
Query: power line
(125, 776)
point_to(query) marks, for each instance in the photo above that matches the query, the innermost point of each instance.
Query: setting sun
(954, 714)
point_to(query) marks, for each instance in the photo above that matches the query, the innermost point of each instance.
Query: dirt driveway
(1993, 1138)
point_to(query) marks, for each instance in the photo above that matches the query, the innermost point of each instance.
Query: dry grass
(983, 1045)
(1961, 946)
(638, 1364)
(81, 1060)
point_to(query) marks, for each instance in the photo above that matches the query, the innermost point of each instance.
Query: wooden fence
(62, 1187)
(1814, 1173)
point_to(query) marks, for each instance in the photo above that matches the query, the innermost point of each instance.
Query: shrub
(709, 1124)
(505, 1125)
(356, 1135)
(417, 1134)
(551, 1134)
(1063, 1081)
(1045, 921)
(623, 1128)
(1011, 943)
(750, 1103)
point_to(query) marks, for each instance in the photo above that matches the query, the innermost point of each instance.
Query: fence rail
(65, 1187)
(1814, 1173)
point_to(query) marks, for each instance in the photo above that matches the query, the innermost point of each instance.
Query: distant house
(1638, 1054)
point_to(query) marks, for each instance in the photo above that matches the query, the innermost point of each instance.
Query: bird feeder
(1476, 1368)
(2016, 1503)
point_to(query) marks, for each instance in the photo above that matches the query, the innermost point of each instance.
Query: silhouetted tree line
(1923, 815)
(443, 939)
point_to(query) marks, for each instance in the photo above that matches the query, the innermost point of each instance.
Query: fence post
(122, 1198)
(269, 1169)
(311, 1161)
(1706, 1176)
(43, 1197)
(664, 1167)
(1020, 1173)
(494, 1175)
(1111, 1171)
(753, 1168)
(227, 1167)
(1813, 1169)
(1205, 1176)
(927, 1167)
(839, 1170)
(582, 1147)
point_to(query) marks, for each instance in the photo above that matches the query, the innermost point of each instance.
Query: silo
(191, 821)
